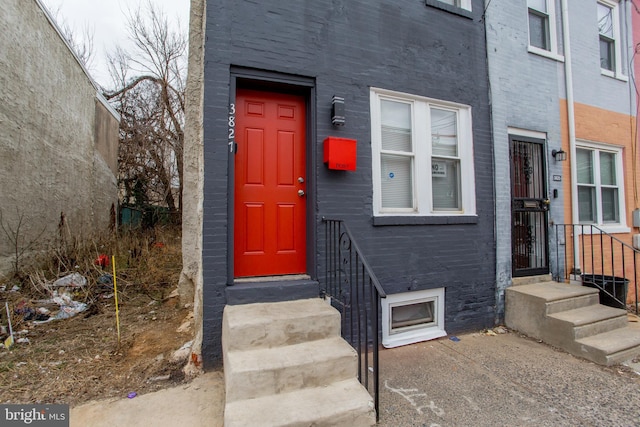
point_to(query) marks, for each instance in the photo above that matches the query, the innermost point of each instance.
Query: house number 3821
(232, 126)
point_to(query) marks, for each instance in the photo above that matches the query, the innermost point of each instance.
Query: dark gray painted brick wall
(348, 47)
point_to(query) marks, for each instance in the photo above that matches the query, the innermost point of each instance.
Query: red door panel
(270, 215)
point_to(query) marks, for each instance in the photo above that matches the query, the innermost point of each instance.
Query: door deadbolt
(300, 193)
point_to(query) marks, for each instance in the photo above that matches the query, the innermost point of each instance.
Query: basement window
(412, 317)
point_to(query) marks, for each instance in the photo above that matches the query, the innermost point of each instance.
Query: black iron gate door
(529, 207)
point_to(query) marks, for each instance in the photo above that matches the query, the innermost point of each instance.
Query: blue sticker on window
(391, 175)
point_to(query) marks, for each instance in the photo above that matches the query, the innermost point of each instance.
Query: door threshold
(285, 277)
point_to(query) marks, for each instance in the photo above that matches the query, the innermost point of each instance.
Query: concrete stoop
(570, 317)
(285, 364)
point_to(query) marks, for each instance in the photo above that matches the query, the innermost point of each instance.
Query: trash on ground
(182, 353)
(105, 279)
(102, 260)
(132, 395)
(500, 330)
(490, 333)
(23, 341)
(68, 308)
(160, 378)
(454, 338)
(73, 280)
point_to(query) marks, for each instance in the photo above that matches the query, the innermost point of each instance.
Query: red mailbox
(340, 153)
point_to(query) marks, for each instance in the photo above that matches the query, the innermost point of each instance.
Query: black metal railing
(355, 292)
(603, 261)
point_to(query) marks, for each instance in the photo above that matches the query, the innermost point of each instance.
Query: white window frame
(421, 141)
(416, 333)
(621, 226)
(552, 53)
(462, 4)
(617, 73)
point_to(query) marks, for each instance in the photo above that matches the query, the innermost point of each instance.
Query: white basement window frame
(412, 317)
(423, 165)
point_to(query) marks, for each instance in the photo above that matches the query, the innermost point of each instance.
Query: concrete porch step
(570, 317)
(344, 403)
(254, 326)
(588, 321)
(611, 347)
(254, 373)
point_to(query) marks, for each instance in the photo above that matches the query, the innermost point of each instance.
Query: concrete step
(344, 403)
(528, 305)
(611, 347)
(586, 321)
(253, 326)
(264, 371)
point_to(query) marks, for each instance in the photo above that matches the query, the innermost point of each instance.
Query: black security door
(529, 207)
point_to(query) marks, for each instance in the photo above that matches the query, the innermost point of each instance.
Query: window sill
(614, 75)
(545, 53)
(424, 220)
(611, 229)
(451, 9)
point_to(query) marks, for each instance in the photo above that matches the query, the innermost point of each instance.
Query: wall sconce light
(337, 111)
(559, 155)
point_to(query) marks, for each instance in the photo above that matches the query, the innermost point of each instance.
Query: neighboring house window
(422, 156)
(600, 193)
(609, 39)
(542, 28)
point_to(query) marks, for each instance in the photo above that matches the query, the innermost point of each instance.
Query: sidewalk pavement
(480, 380)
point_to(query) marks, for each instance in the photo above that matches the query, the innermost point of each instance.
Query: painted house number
(232, 126)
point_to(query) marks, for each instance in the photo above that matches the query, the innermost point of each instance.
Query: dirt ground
(78, 359)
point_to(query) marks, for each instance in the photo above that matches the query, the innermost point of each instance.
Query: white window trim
(553, 35)
(422, 192)
(617, 41)
(414, 334)
(620, 227)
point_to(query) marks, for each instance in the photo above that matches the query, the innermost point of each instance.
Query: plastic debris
(490, 333)
(68, 308)
(454, 338)
(73, 280)
(105, 279)
(102, 260)
(500, 330)
(132, 394)
(23, 341)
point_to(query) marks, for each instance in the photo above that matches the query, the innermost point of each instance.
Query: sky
(107, 20)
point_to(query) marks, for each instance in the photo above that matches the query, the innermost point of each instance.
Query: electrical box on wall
(636, 218)
(636, 241)
(340, 153)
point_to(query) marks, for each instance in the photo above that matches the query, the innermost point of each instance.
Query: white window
(542, 28)
(609, 38)
(422, 156)
(412, 317)
(463, 4)
(600, 185)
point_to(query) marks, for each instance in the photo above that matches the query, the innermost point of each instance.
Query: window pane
(539, 30)
(586, 204)
(607, 169)
(540, 5)
(444, 132)
(605, 20)
(451, 2)
(610, 205)
(396, 125)
(584, 161)
(606, 54)
(446, 184)
(397, 181)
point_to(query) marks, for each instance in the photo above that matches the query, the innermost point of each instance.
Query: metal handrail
(356, 292)
(593, 249)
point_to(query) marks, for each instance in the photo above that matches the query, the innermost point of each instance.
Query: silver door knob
(300, 193)
(300, 179)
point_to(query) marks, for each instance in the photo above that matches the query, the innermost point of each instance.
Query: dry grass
(79, 359)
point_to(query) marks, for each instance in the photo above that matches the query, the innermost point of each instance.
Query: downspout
(571, 117)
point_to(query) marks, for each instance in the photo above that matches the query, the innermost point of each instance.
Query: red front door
(270, 181)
